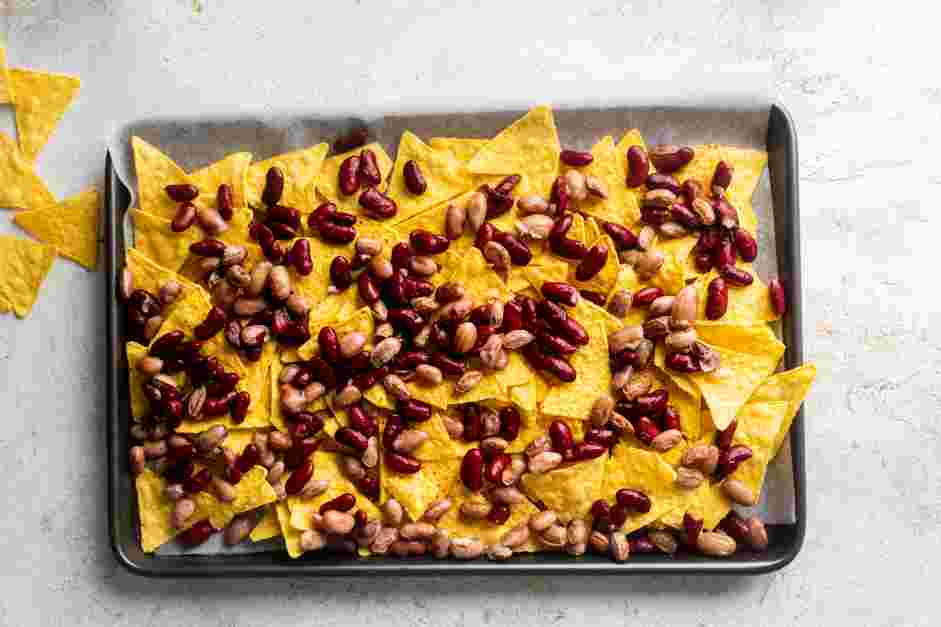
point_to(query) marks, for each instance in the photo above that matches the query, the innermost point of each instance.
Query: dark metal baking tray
(786, 540)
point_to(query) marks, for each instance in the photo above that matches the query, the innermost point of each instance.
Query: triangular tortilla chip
(71, 226)
(41, 99)
(301, 169)
(251, 492)
(673, 273)
(569, 490)
(20, 186)
(151, 276)
(636, 469)
(154, 238)
(6, 89)
(708, 502)
(622, 205)
(463, 148)
(24, 265)
(419, 490)
(574, 400)
(155, 171)
(328, 181)
(529, 146)
(632, 137)
(445, 175)
(790, 386)
(231, 170)
(754, 338)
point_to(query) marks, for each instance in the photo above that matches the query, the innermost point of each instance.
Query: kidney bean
(348, 175)
(561, 436)
(745, 244)
(369, 172)
(213, 323)
(499, 514)
(682, 362)
(560, 368)
(351, 438)
(368, 290)
(663, 181)
(300, 257)
(280, 230)
(777, 296)
(561, 227)
(573, 331)
(401, 464)
(520, 254)
(417, 288)
(558, 292)
(472, 469)
(341, 274)
(238, 406)
(166, 345)
(299, 478)
(568, 248)
(592, 263)
(427, 243)
(656, 216)
(414, 410)
(208, 248)
(494, 468)
(414, 179)
(736, 276)
(498, 203)
(667, 158)
(184, 217)
(692, 527)
(634, 500)
(274, 186)
(555, 344)
(508, 184)
(584, 451)
(646, 429)
(723, 175)
(197, 534)
(405, 320)
(671, 419)
(288, 216)
(622, 236)
(717, 299)
(377, 204)
(182, 192)
(726, 214)
(638, 165)
(342, 503)
(575, 158)
(685, 216)
(401, 256)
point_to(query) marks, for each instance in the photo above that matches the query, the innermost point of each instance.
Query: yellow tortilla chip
(292, 537)
(267, 527)
(479, 280)
(326, 466)
(439, 444)
(40, 101)
(529, 146)
(687, 403)
(328, 181)
(708, 502)
(790, 386)
(445, 175)
(153, 511)
(758, 428)
(746, 304)
(151, 276)
(417, 491)
(754, 338)
(632, 137)
(20, 186)
(673, 273)
(607, 277)
(462, 527)
(300, 168)
(71, 226)
(361, 320)
(678, 378)
(155, 171)
(24, 265)
(636, 469)
(569, 490)
(251, 492)
(574, 400)
(154, 238)
(6, 90)
(231, 170)
(463, 148)
(140, 406)
(749, 165)
(622, 204)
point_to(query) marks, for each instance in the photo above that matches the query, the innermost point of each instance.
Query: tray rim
(781, 135)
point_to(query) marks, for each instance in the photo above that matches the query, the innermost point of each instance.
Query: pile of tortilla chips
(68, 228)
(746, 388)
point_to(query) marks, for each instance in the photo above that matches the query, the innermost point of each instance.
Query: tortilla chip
(71, 226)
(568, 490)
(446, 176)
(155, 171)
(40, 101)
(633, 468)
(439, 444)
(24, 265)
(746, 304)
(622, 204)
(267, 527)
(251, 492)
(529, 146)
(479, 280)
(749, 165)
(6, 89)
(632, 137)
(417, 491)
(607, 277)
(758, 427)
(462, 527)
(708, 502)
(140, 406)
(328, 180)
(687, 403)
(791, 386)
(361, 320)
(20, 186)
(673, 273)
(326, 466)
(574, 400)
(153, 511)
(292, 537)
(754, 338)
(463, 148)
(154, 238)
(231, 170)
(301, 169)
(149, 275)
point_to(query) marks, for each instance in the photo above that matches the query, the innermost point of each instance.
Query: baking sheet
(198, 142)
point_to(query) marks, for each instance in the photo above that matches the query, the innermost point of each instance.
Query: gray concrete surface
(861, 83)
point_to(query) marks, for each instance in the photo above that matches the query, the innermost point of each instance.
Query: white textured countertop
(862, 88)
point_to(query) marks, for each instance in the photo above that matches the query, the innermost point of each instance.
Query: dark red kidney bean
(405, 320)
(391, 431)
(647, 295)
(617, 516)
(197, 534)
(274, 253)
(646, 429)
(361, 421)
(559, 194)
(560, 368)
(322, 213)
(351, 139)
(165, 346)
(213, 323)
(572, 330)
(414, 410)
(427, 243)
(198, 482)
(182, 192)
(233, 333)
(561, 226)
(634, 500)
(561, 435)
(593, 262)
(295, 334)
(724, 437)
(343, 218)
(360, 361)
(736, 276)
(369, 172)
(638, 165)
(329, 344)
(348, 175)
(179, 471)
(341, 274)
(208, 248)
(604, 437)
(280, 230)
(285, 215)
(529, 308)
(248, 459)
(499, 513)
(682, 362)
(654, 215)
(300, 257)
(717, 299)
(671, 419)
(484, 235)
(450, 366)
(497, 203)
(377, 204)
(479, 315)
(368, 290)
(575, 158)
(401, 256)
(600, 508)
(691, 190)
(745, 244)
(402, 464)
(642, 544)
(495, 467)
(508, 184)
(623, 359)
(726, 214)
(568, 248)
(144, 302)
(222, 385)
(184, 218)
(685, 216)
(702, 261)
(303, 378)
(535, 357)
(484, 332)
(359, 261)
(663, 181)
(652, 403)
(274, 186)
(299, 478)
(343, 503)
(322, 371)
(731, 458)
(709, 240)
(724, 253)
(368, 378)
(722, 177)
(409, 360)
(596, 298)
(473, 423)
(261, 234)
(510, 422)
(584, 451)
(393, 290)
(552, 313)
(280, 322)
(414, 179)
(351, 438)
(225, 201)
(520, 254)
(555, 344)
(667, 159)
(472, 467)
(776, 294)
(416, 288)
(602, 523)
(735, 526)
(622, 236)
(512, 316)
(558, 292)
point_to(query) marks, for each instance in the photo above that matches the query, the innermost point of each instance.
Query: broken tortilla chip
(70, 226)
(40, 100)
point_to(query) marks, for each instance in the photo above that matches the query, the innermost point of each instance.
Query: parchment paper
(735, 116)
